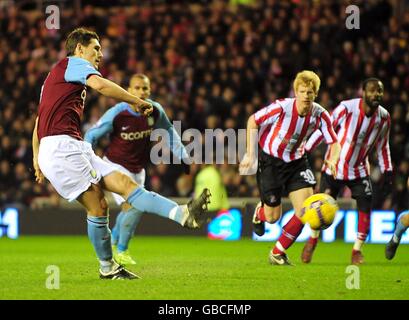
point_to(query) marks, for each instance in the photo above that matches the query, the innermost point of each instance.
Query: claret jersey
(129, 133)
(62, 98)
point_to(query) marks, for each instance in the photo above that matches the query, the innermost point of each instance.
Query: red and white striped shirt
(357, 134)
(283, 132)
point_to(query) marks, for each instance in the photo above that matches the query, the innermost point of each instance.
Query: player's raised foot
(390, 249)
(118, 272)
(357, 257)
(258, 226)
(195, 211)
(124, 258)
(307, 252)
(279, 259)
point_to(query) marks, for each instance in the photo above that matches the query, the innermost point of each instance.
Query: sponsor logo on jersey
(137, 135)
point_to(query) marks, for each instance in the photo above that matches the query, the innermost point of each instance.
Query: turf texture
(191, 268)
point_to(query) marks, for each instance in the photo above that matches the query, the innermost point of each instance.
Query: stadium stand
(211, 63)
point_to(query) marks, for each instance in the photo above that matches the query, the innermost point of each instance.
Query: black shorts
(275, 175)
(361, 189)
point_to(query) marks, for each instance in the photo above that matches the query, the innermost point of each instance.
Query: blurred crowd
(212, 64)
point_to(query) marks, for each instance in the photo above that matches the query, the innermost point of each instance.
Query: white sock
(315, 233)
(358, 244)
(179, 214)
(279, 247)
(172, 213)
(106, 265)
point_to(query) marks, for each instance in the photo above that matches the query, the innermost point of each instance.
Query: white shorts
(70, 165)
(138, 177)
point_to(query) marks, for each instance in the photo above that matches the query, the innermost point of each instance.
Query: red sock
(290, 232)
(364, 220)
(313, 241)
(260, 214)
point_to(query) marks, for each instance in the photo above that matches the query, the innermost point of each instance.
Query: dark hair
(79, 35)
(366, 81)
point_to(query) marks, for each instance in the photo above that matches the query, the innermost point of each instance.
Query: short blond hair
(308, 78)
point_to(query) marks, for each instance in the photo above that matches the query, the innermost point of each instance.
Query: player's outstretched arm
(382, 148)
(112, 90)
(331, 139)
(265, 116)
(103, 126)
(335, 151)
(252, 131)
(384, 159)
(35, 144)
(174, 142)
(250, 157)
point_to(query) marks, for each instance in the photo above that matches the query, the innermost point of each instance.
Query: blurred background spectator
(211, 64)
(210, 177)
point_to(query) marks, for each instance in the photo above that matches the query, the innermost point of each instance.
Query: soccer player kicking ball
(360, 125)
(70, 164)
(128, 152)
(284, 127)
(401, 226)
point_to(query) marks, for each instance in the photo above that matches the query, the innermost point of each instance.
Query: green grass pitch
(191, 268)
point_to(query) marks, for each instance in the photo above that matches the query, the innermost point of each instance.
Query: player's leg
(127, 226)
(96, 206)
(266, 213)
(269, 209)
(66, 163)
(270, 212)
(361, 190)
(299, 181)
(402, 225)
(116, 229)
(127, 222)
(292, 229)
(191, 215)
(98, 232)
(330, 186)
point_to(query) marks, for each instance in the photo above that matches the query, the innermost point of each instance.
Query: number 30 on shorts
(308, 176)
